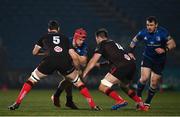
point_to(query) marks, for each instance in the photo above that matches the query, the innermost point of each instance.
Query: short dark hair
(102, 32)
(53, 25)
(152, 19)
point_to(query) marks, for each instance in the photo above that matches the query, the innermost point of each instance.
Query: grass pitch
(38, 103)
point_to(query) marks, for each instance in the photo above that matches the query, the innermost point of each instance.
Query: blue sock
(151, 93)
(140, 88)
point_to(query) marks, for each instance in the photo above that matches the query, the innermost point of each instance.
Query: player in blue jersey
(79, 45)
(157, 43)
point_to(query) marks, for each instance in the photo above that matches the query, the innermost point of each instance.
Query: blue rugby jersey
(83, 50)
(157, 39)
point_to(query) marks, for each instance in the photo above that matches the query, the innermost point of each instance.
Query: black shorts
(124, 73)
(156, 67)
(51, 64)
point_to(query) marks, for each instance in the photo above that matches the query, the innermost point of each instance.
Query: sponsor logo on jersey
(158, 38)
(145, 38)
(58, 49)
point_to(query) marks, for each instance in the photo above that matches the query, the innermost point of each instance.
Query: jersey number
(119, 46)
(56, 39)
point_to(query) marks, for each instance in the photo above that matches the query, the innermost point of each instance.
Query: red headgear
(79, 33)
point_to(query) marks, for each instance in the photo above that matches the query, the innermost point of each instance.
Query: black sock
(151, 93)
(140, 88)
(61, 87)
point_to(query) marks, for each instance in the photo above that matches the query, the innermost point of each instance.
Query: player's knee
(106, 83)
(77, 81)
(143, 80)
(82, 86)
(34, 77)
(101, 88)
(154, 85)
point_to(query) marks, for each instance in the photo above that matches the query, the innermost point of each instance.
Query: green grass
(38, 102)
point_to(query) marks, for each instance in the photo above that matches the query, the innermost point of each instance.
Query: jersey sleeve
(84, 50)
(99, 49)
(167, 35)
(40, 42)
(139, 35)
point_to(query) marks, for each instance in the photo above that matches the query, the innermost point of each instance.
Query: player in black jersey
(59, 56)
(122, 69)
(80, 46)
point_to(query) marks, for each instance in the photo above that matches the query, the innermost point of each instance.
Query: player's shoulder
(45, 35)
(108, 41)
(162, 29)
(142, 31)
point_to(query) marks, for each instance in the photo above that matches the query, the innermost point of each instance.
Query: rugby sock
(151, 93)
(140, 88)
(68, 90)
(25, 89)
(113, 94)
(69, 94)
(132, 95)
(60, 88)
(84, 91)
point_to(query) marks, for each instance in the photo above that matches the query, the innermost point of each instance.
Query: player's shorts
(51, 64)
(156, 67)
(124, 73)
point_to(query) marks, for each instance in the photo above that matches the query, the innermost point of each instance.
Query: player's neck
(53, 31)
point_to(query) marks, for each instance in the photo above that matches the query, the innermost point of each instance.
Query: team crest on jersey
(158, 38)
(58, 49)
(145, 38)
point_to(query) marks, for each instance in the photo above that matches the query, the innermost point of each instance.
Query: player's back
(57, 46)
(114, 53)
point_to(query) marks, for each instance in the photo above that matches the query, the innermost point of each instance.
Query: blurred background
(22, 22)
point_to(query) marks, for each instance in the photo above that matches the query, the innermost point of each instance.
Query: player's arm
(170, 45)
(132, 47)
(91, 64)
(82, 60)
(102, 64)
(74, 57)
(37, 51)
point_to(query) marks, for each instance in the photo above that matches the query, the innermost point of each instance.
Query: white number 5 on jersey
(56, 39)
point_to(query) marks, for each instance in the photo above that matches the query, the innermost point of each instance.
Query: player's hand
(132, 56)
(160, 50)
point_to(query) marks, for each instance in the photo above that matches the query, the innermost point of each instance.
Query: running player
(157, 43)
(122, 69)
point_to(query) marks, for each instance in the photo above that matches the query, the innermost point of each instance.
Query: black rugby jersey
(114, 53)
(55, 44)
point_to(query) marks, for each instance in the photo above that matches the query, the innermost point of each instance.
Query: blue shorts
(156, 67)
